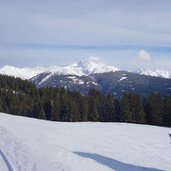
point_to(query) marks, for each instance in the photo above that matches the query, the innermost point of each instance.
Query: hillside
(30, 144)
(20, 97)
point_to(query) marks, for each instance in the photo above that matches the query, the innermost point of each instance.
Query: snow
(45, 78)
(90, 67)
(121, 79)
(3, 162)
(94, 83)
(154, 73)
(72, 77)
(23, 73)
(76, 80)
(30, 144)
(80, 68)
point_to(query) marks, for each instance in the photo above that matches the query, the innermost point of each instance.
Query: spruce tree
(156, 109)
(167, 111)
(55, 109)
(132, 109)
(83, 108)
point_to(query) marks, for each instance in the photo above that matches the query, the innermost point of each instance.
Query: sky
(124, 33)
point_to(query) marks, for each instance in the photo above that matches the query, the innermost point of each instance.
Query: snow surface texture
(35, 145)
(80, 68)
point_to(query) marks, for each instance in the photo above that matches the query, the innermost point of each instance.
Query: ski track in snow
(4, 163)
(21, 156)
(34, 145)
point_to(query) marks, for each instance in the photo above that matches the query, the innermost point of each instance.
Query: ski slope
(35, 145)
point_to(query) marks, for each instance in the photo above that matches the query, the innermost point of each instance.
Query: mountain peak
(91, 67)
(85, 64)
(80, 68)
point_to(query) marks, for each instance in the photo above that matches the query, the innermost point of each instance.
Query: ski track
(14, 149)
(7, 164)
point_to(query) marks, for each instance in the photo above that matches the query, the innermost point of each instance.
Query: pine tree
(65, 111)
(39, 111)
(108, 110)
(55, 105)
(94, 101)
(167, 111)
(47, 105)
(83, 108)
(93, 111)
(132, 109)
(156, 109)
(1, 104)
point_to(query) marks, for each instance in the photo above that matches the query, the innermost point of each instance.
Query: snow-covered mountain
(30, 144)
(154, 73)
(83, 75)
(23, 73)
(80, 68)
(84, 67)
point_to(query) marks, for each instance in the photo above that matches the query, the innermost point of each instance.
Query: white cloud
(90, 23)
(94, 58)
(144, 56)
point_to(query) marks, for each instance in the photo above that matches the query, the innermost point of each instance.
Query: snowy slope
(29, 144)
(154, 73)
(80, 68)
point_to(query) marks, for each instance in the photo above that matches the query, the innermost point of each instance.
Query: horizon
(126, 33)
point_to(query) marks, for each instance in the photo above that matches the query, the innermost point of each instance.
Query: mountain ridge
(154, 73)
(80, 68)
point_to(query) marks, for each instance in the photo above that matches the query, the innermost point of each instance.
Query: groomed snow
(35, 145)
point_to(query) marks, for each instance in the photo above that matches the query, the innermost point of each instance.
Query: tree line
(22, 98)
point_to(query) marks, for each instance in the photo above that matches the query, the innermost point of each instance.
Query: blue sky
(124, 33)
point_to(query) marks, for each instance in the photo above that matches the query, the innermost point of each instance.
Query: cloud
(144, 56)
(94, 58)
(96, 22)
(64, 31)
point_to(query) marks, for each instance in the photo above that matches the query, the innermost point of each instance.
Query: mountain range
(83, 75)
(154, 73)
(80, 68)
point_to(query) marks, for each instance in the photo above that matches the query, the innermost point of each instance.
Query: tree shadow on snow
(114, 164)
